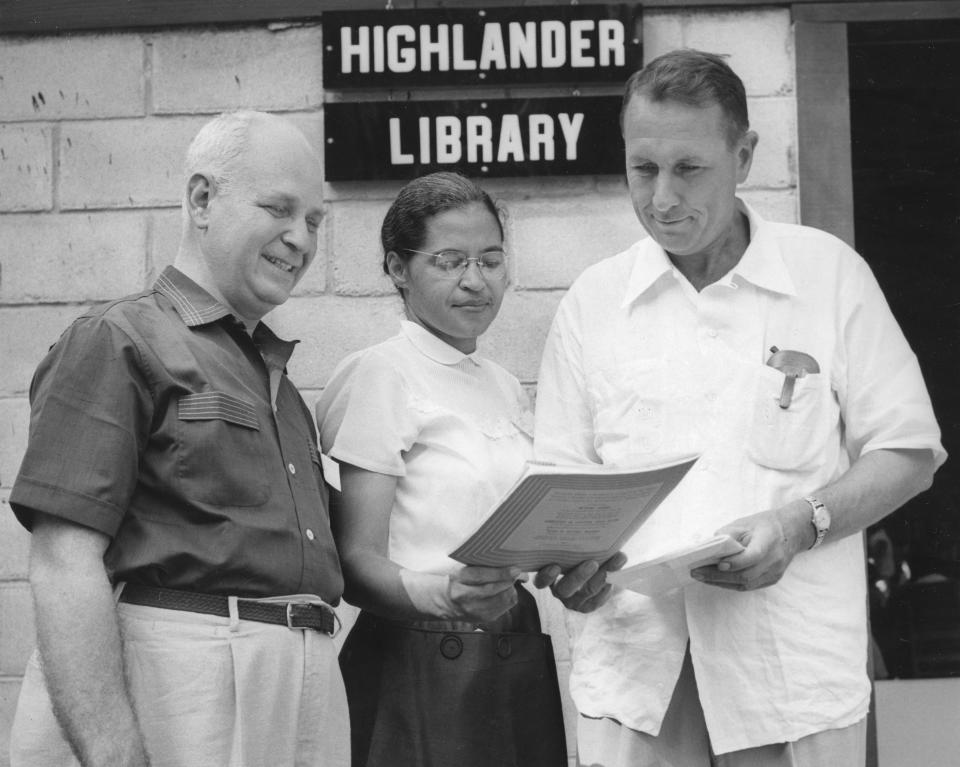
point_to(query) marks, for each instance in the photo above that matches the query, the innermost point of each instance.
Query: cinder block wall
(92, 131)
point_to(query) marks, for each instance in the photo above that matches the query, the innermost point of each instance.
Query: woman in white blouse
(446, 664)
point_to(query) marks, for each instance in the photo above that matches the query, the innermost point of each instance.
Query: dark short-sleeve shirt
(159, 421)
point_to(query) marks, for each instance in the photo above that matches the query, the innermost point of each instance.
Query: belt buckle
(324, 610)
(290, 625)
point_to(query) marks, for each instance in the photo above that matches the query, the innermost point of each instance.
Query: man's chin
(675, 246)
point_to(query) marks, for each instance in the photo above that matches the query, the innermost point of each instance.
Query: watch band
(819, 518)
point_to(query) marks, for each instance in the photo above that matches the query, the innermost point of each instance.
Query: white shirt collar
(761, 264)
(431, 346)
(650, 265)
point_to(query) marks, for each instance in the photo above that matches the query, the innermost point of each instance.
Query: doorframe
(825, 170)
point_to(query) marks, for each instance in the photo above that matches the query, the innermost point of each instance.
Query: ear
(397, 269)
(201, 190)
(745, 149)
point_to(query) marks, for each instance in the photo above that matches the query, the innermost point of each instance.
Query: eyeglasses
(453, 263)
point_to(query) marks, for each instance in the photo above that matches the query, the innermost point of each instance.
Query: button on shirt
(159, 421)
(639, 368)
(453, 427)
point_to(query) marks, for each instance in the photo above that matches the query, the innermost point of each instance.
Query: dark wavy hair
(694, 78)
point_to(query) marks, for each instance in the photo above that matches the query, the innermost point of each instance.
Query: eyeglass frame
(462, 270)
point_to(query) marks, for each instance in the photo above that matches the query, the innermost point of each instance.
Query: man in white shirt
(768, 350)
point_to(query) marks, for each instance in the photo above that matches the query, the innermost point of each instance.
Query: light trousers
(210, 691)
(683, 741)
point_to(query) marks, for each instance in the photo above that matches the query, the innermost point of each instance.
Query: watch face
(821, 518)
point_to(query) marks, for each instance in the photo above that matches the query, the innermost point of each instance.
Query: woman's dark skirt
(430, 695)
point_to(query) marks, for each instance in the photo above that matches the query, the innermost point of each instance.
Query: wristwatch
(819, 518)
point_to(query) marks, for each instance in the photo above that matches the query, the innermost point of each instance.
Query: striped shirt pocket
(220, 406)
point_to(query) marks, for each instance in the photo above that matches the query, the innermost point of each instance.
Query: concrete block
(14, 423)
(211, 71)
(918, 720)
(73, 256)
(551, 243)
(362, 190)
(14, 544)
(19, 636)
(502, 190)
(613, 185)
(71, 77)
(310, 124)
(330, 328)
(506, 190)
(662, 32)
(354, 248)
(26, 155)
(516, 337)
(774, 162)
(759, 43)
(28, 334)
(780, 205)
(163, 242)
(124, 163)
(9, 692)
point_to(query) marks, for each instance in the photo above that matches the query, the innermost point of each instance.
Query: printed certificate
(566, 514)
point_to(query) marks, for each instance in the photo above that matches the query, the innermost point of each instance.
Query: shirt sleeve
(365, 416)
(564, 423)
(883, 397)
(91, 409)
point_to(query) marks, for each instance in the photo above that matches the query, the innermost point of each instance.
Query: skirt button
(451, 647)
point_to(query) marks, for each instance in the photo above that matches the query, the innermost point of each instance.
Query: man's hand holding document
(672, 569)
(565, 515)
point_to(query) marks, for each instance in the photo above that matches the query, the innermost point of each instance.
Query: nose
(664, 193)
(300, 238)
(472, 277)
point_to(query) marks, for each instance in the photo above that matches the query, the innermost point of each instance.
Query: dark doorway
(905, 130)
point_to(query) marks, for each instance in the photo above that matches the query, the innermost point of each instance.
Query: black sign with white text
(496, 137)
(481, 46)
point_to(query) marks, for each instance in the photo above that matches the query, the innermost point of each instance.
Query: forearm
(877, 483)
(79, 644)
(375, 583)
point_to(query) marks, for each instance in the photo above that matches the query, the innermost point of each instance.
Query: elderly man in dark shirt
(182, 564)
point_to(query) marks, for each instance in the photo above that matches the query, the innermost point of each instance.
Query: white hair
(217, 150)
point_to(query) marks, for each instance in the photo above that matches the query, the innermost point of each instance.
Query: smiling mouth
(281, 265)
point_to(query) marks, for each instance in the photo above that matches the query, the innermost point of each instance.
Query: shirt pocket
(631, 408)
(221, 457)
(792, 438)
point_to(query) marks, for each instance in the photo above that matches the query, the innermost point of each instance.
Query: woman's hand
(474, 594)
(483, 593)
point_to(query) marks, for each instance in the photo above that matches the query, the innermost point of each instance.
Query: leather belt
(294, 615)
